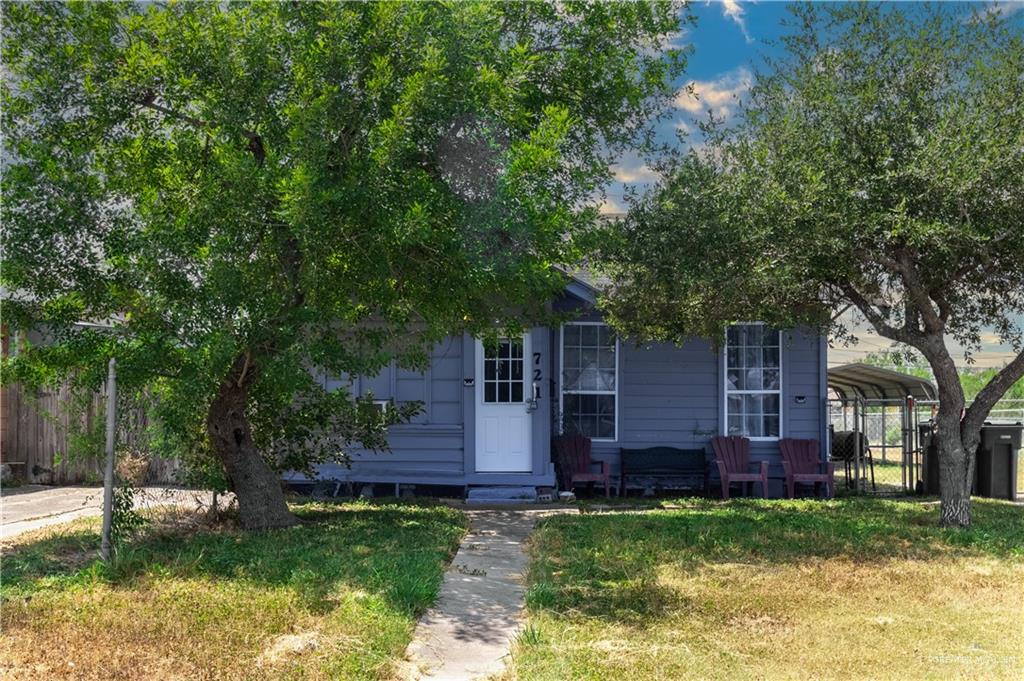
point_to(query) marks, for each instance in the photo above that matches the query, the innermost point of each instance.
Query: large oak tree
(879, 165)
(249, 193)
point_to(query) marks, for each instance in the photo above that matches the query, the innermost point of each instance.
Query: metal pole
(905, 445)
(856, 444)
(885, 433)
(916, 457)
(108, 470)
(915, 444)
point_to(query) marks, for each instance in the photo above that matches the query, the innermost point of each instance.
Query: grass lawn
(1020, 471)
(336, 597)
(847, 589)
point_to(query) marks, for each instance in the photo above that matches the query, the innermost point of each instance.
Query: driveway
(31, 507)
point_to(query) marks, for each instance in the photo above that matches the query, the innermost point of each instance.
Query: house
(489, 413)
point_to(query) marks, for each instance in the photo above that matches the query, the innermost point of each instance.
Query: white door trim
(504, 430)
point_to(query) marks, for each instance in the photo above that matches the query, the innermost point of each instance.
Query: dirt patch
(287, 647)
(72, 560)
(759, 624)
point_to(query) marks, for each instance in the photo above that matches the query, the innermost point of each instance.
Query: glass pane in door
(504, 371)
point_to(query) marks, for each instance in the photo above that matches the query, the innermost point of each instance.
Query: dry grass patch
(848, 589)
(336, 597)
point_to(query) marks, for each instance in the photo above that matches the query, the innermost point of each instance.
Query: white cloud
(632, 174)
(720, 95)
(1005, 8)
(678, 39)
(733, 10)
(612, 206)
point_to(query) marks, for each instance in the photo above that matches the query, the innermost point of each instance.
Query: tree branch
(945, 309)
(150, 103)
(911, 315)
(255, 141)
(917, 292)
(245, 369)
(992, 393)
(871, 314)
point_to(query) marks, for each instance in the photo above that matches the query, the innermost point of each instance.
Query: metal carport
(879, 383)
(865, 397)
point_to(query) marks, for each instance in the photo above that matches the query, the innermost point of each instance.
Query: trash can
(929, 458)
(996, 465)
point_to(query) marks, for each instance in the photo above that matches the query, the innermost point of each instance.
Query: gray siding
(802, 379)
(430, 447)
(667, 395)
(674, 395)
(446, 383)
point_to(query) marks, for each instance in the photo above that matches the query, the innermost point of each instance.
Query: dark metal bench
(663, 462)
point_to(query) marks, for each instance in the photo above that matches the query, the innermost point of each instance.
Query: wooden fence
(37, 437)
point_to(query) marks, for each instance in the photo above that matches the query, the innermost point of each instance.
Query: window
(753, 381)
(503, 371)
(368, 406)
(589, 380)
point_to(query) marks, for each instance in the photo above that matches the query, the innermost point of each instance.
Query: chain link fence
(890, 462)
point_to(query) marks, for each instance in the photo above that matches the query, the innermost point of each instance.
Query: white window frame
(726, 391)
(561, 378)
(524, 342)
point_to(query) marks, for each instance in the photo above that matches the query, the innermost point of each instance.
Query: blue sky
(730, 42)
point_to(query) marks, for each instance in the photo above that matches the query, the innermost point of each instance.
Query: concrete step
(502, 494)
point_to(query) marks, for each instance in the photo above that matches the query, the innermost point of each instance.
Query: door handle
(531, 404)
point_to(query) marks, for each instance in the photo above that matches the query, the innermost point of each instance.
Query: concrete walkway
(468, 632)
(31, 507)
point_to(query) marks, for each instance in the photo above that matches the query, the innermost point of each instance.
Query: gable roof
(583, 284)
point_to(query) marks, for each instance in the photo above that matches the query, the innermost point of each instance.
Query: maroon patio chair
(801, 462)
(732, 456)
(572, 454)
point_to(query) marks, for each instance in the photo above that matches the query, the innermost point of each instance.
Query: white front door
(502, 421)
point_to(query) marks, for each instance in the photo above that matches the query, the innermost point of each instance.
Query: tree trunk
(957, 430)
(956, 462)
(261, 503)
(955, 480)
